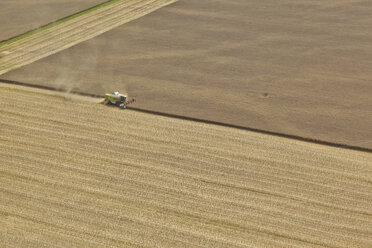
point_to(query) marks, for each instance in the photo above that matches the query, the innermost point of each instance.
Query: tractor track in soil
(69, 179)
(64, 35)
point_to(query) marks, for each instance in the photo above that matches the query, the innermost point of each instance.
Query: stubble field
(75, 173)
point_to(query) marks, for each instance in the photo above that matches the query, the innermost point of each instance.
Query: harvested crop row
(64, 35)
(75, 173)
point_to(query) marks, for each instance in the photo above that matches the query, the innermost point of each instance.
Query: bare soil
(302, 67)
(75, 173)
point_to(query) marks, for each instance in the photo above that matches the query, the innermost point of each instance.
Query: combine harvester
(118, 99)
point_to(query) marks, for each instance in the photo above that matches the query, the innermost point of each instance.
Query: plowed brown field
(75, 173)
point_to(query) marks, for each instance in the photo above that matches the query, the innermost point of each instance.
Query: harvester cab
(118, 99)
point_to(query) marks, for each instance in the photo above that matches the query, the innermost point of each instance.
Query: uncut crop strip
(47, 41)
(67, 179)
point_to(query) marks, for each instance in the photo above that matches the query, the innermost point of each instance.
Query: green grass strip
(57, 22)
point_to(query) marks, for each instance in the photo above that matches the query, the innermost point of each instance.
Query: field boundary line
(182, 117)
(68, 32)
(55, 23)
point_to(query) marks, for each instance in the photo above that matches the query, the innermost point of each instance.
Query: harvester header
(118, 99)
